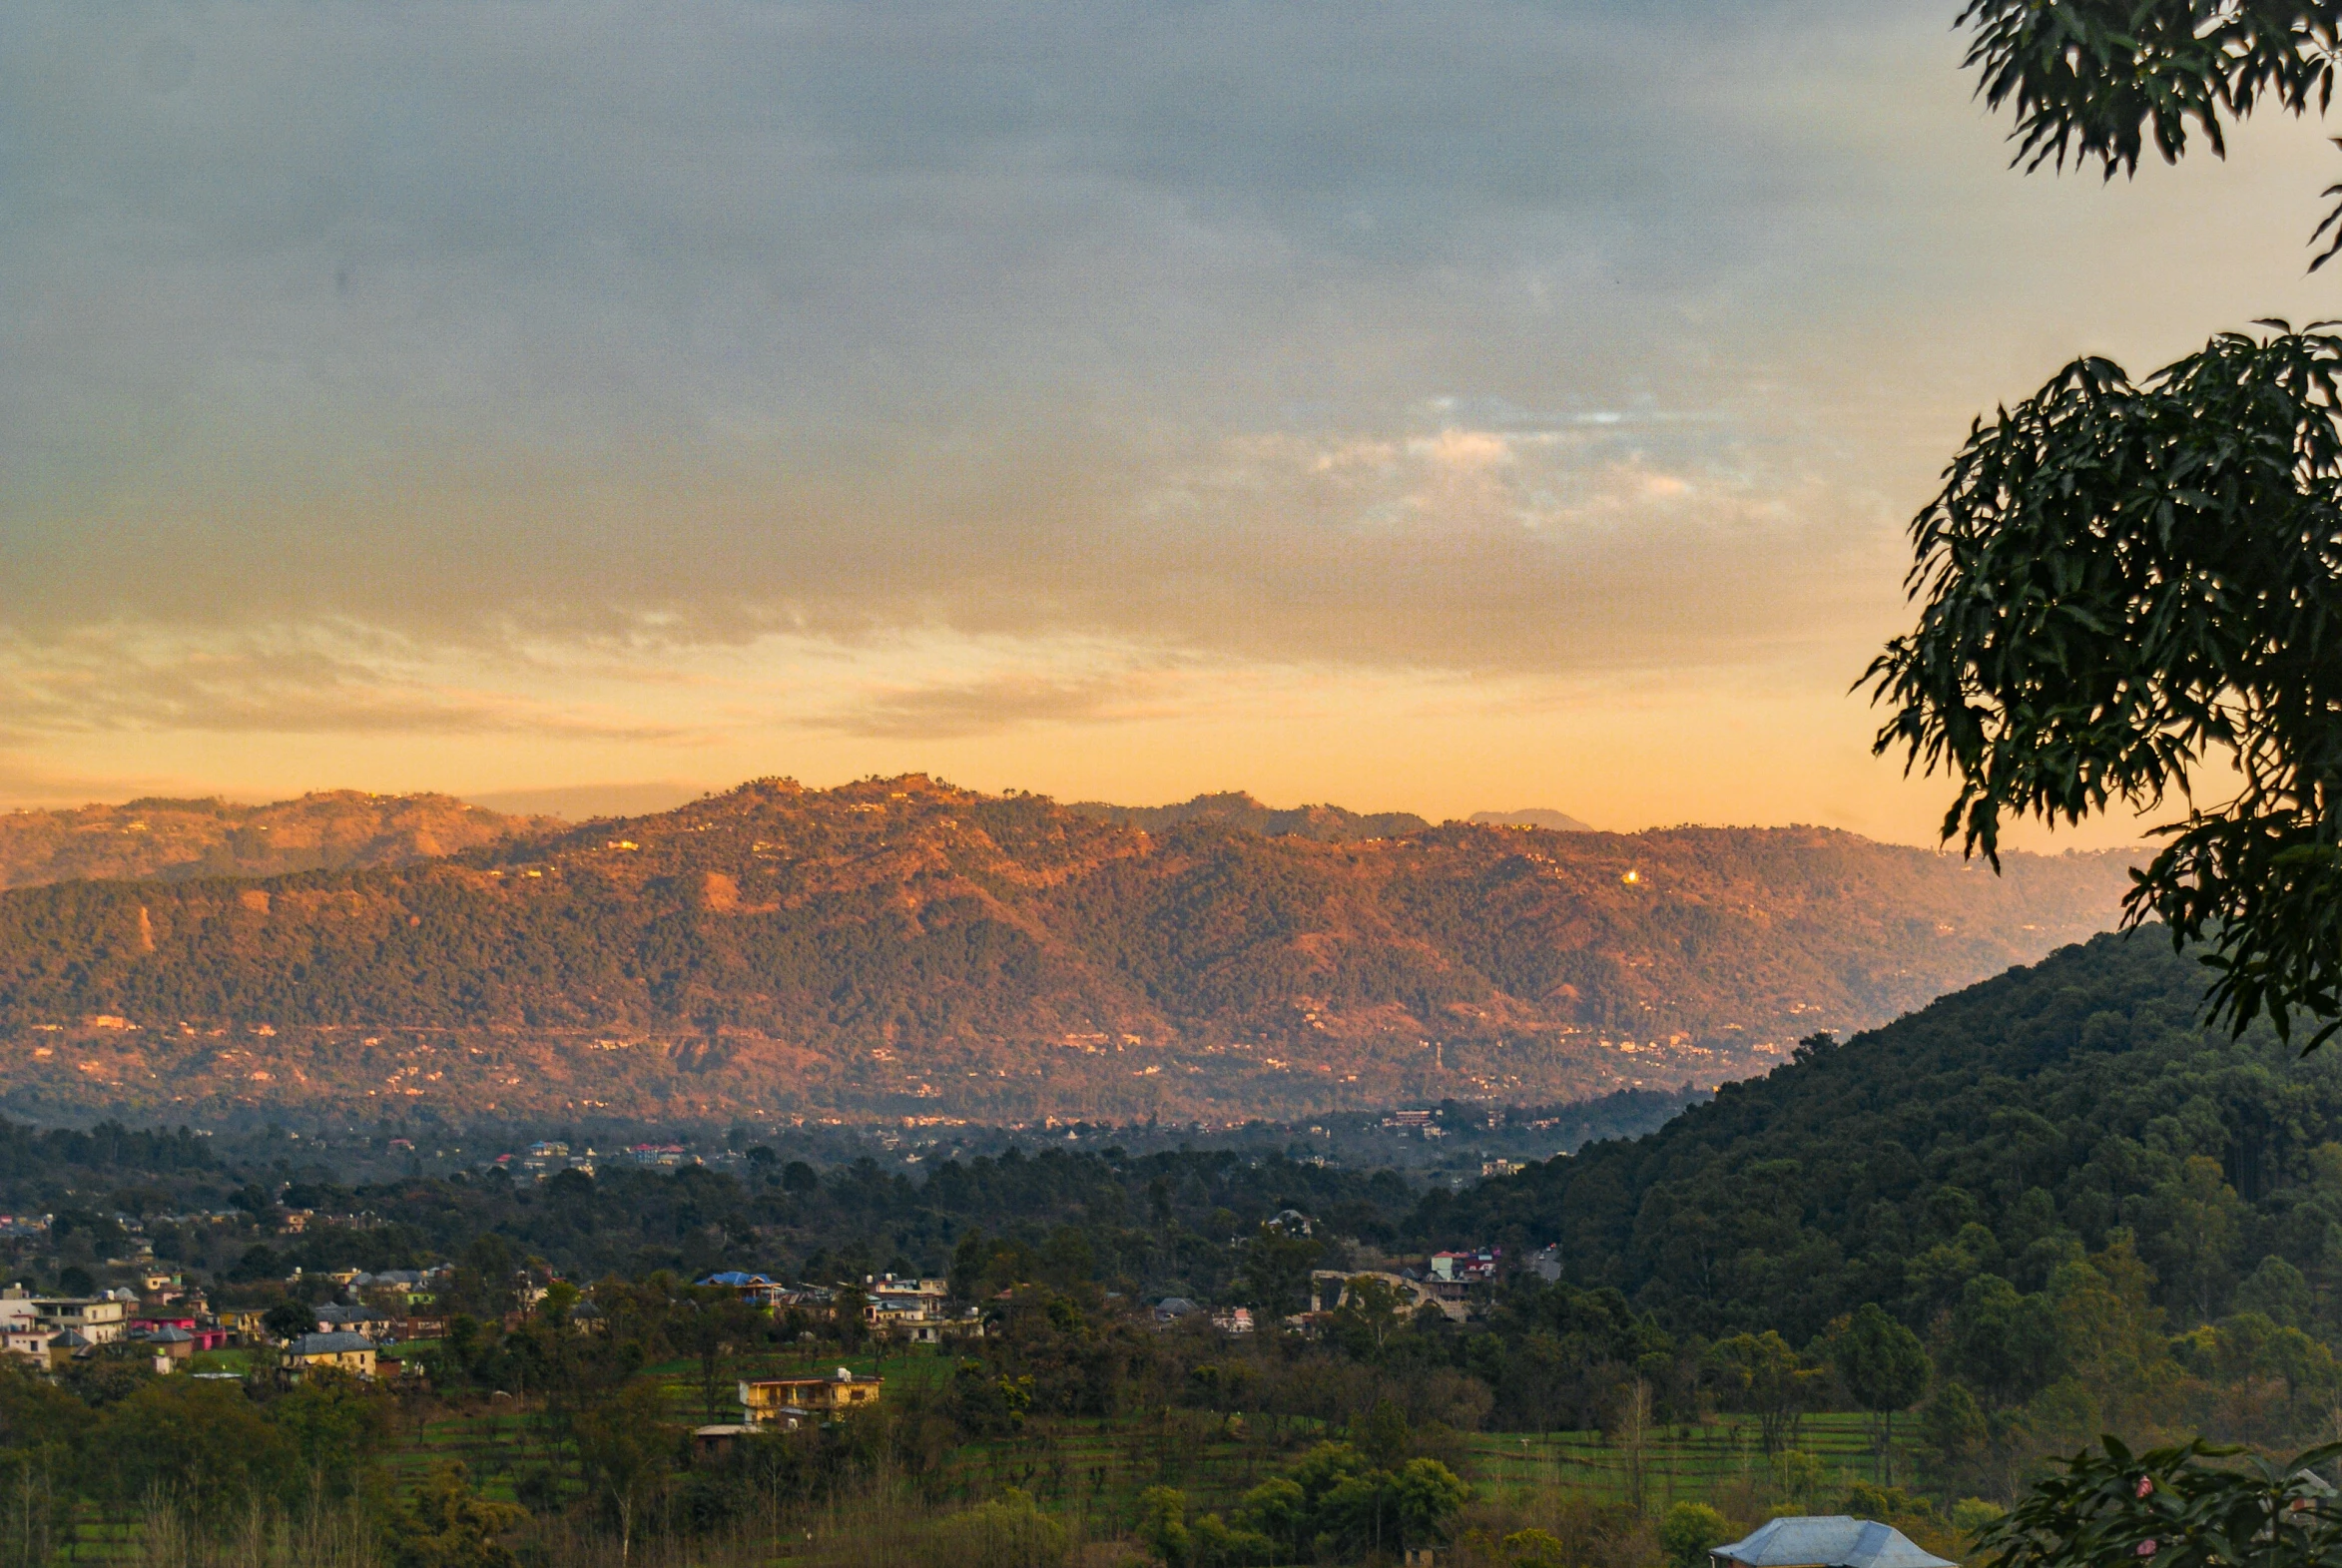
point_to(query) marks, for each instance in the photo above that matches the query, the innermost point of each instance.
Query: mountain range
(904, 948)
(179, 840)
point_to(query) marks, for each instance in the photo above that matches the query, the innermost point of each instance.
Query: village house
(243, 1325)
(202, 1335)
(1825, 1541)
(99, 1320)
(417, 1286)
(171, 1347)
(903, 1288)
(29, 1339)
(1328, 1289)
(1454, 1273)
(902, 1323)
(915, 1311)
(22, 1332)
(756, 1290)
(789, 1401)
(719, 1439)
(372, 1321)
(348, 1353)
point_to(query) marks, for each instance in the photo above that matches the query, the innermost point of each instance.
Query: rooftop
(1828, 1541)
(329, 1343)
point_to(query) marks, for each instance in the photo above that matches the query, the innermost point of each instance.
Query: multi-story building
(788, 1402)
(101, 1319)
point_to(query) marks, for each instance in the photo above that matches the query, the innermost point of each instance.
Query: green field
(1091, 1471)
(1096, 1468)
(1680, 1463)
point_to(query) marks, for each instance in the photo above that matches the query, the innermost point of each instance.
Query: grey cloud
(629, 326)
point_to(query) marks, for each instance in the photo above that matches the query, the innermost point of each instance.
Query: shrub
(1533, 1549)
(1008, 1532)
(1689, 1531)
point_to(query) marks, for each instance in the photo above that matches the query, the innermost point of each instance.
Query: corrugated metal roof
(1829, 1541)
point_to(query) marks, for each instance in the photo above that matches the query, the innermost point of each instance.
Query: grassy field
(1091, 1472)
(238, 1361)
(1097, 1468)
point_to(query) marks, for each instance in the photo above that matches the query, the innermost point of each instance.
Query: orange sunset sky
(1413, 408)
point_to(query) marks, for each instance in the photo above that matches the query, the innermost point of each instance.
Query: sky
(1418, 407)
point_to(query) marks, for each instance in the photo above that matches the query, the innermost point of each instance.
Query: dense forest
(902, 947)
(1146, 1225)
(2094, 1211)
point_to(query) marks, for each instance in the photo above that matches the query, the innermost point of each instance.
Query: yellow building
(350, 1352)
(788, 1400)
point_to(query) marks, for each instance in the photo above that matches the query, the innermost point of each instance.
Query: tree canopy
(2124, 584)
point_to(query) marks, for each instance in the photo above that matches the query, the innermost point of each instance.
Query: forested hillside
(2084, 1202)
(904, 947)
(181, 839)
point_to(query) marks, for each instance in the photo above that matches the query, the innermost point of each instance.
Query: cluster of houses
(1178, 1308)
(551, 1157)
(898, 1309)
(173, 1322)
(49, 1330)
(545, 1159)
(1446, 1282)
(386, 1309)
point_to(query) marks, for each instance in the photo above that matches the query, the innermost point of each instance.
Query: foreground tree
(2125, 582)
(2168, 1509)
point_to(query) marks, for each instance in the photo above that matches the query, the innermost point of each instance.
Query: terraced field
(1097, 1468)
(1093, 1471)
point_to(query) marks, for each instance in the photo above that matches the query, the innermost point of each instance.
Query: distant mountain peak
(1530, 816)
(1238, 808)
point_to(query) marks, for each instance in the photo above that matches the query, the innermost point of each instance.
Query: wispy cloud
(295, 681)
(956, 708)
